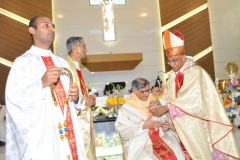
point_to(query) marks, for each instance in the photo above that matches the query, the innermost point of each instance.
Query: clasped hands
(52, 75)
(150, 123)
(157, 112)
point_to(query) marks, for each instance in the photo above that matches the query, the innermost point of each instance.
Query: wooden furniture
(112, 62)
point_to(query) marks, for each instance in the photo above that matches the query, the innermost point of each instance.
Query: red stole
(160, 149)
(82, 84)
(61, 95)
(178, 82)
(84, 92)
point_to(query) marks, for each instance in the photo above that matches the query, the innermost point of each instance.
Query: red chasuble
(61, 95)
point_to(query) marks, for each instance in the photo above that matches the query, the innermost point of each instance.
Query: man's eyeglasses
(173, 60)
(145, 91)
(84, 45)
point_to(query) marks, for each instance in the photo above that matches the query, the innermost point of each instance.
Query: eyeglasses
(84, 45)
(173, 60)
(145, 91)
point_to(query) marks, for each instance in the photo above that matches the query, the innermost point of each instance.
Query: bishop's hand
(159, 111)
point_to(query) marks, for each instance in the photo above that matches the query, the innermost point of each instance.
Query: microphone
(158, 82)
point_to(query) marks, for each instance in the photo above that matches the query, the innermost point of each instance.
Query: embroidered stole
(82, 83)
(61, 95)
(160, 149)
(178, 82)
(84, 92)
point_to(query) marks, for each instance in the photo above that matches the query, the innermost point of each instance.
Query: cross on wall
(108, 17)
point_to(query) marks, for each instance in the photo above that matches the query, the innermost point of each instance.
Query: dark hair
(33, 24)
(139, 83)
(71, 42)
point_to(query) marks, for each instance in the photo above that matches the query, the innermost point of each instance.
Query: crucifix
(108, 17)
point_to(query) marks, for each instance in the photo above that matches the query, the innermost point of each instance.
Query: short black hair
(32, 22)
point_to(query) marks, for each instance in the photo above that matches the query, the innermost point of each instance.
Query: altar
(108, 143)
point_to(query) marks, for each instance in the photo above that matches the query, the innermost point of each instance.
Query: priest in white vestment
(76, 48)
(41, 120)
(147, 137)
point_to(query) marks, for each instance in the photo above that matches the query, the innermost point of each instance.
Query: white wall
(225, 30)
(133, 34)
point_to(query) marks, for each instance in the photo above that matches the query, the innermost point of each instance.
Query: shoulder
(26, 58)
(61, 60)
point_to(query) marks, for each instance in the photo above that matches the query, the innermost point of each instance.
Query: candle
(223, 84)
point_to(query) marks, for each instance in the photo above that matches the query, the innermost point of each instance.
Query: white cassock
(32, 118)
(2, 123)
(129, 125)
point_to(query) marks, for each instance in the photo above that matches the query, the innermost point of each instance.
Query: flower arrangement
(232, 88)
(232, 83)
(231, 109)
(114, 101)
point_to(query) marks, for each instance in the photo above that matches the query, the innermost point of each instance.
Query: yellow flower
(114, 100)
(109, 101)
(121, 100)
(226, 106)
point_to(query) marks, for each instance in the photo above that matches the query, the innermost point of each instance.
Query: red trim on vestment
(207, 121)
(179, 79)
(84, 92)
(61, 95)
(160, 149)
(82, 83)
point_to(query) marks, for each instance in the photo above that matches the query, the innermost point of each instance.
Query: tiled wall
(134, 33)
(225, 31)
